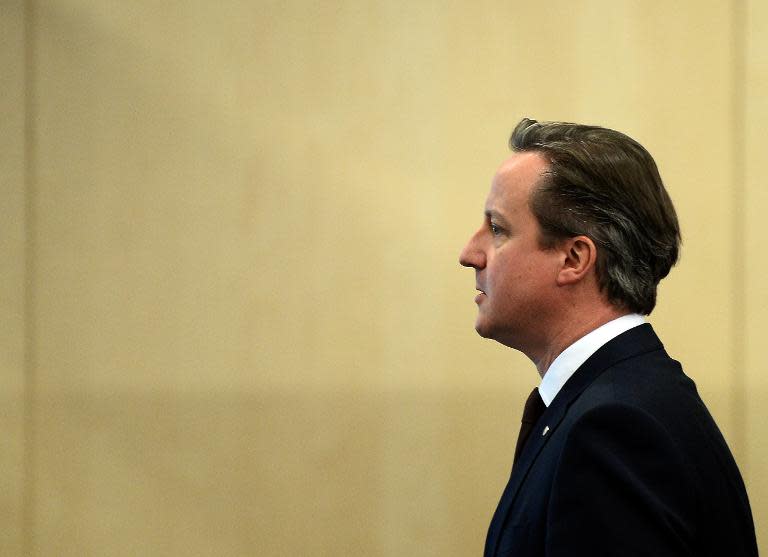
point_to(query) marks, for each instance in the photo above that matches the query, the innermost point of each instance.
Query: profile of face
(516, 277)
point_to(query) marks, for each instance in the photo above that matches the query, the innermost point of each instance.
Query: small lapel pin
(546, 430)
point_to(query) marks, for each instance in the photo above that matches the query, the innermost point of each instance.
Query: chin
(501, 335)
(483, 329)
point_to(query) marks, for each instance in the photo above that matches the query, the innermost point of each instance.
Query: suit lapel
(633, 342)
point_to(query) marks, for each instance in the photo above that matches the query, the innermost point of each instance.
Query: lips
(480, 296)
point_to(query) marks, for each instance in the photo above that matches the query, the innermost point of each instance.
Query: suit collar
(636, 341)
(572, 358)
(633, 342)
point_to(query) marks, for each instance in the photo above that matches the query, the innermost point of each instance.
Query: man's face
(515, 276)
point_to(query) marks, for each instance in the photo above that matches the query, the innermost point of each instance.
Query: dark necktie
(534, 408)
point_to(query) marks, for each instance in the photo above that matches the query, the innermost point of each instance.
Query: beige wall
(235, 320)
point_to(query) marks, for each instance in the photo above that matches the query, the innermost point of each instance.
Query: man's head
(576, 214)
(606, 186)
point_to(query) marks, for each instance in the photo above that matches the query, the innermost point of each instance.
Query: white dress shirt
(577, 353)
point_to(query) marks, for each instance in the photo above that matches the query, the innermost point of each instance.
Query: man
(617, 454)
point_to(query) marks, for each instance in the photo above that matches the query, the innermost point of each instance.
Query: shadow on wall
(273, 474)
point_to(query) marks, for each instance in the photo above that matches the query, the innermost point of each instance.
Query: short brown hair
(604, 185)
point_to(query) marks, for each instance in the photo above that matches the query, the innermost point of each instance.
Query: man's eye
(495, 230)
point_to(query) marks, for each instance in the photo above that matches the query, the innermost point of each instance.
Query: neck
(570, 331)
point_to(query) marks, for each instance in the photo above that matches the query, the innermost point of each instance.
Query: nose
(472, 255)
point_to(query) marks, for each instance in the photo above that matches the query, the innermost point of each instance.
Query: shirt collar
(577, 353)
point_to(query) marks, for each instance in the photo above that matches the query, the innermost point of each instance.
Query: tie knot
(534, 408)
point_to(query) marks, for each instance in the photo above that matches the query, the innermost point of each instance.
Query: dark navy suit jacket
(626, 461)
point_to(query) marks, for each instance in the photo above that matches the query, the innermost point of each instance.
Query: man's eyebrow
(495, 215)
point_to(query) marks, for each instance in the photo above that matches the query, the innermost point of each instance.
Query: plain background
(233, 318)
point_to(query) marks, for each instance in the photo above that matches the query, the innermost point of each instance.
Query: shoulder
(650, 385)
(618, 426)
(638, 401)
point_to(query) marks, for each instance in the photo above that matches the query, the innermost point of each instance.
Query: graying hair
(604, 185)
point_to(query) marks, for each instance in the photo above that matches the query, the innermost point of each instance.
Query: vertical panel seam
(30, 355)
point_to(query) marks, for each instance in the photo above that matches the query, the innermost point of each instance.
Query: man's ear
(579, 257)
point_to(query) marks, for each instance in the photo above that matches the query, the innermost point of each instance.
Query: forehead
(515, 179)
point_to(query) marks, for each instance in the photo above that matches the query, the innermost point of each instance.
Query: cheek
(502, 268)
(526, 276)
